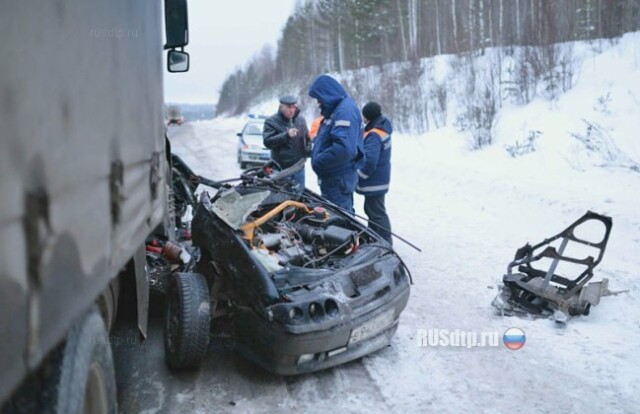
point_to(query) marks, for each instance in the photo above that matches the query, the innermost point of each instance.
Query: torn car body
(307, 285)
(534, 291)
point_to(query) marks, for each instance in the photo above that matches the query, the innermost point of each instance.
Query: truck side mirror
(176, 23)
(177, 61)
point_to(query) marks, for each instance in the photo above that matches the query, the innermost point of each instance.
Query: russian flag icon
(514, 338)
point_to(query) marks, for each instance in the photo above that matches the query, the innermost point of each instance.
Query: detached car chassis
(536, 291)
(306, 285)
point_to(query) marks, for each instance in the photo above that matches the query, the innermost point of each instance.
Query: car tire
(187, 321)
(243, 165)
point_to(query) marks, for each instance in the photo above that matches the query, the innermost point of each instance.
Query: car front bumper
(363, 330)
(251, 156)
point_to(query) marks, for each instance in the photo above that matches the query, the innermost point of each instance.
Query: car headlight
(316, 311)
(331, 308)
(398, 274)
(295, 313)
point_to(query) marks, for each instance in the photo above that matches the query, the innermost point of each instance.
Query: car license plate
(372, 328)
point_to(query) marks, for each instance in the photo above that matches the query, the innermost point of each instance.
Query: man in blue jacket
(375, 175)
(338, 147)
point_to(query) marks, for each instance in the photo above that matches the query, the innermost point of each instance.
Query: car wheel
(187, 321)
(243, 165)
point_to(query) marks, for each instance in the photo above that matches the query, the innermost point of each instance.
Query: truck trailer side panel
(82, 170)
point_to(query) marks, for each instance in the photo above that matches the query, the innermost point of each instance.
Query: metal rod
(554, 264)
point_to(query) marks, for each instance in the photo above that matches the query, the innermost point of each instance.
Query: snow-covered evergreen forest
(397, 52)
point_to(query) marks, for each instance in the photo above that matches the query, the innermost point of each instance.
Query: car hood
(233, 208)
(254, 140)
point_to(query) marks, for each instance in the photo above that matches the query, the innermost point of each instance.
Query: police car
(251, 149)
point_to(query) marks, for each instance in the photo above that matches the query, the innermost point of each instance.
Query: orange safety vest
(315, 126)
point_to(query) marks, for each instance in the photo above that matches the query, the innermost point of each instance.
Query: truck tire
(82, 378)
(108, 303)
(77, 376)
(187, 321)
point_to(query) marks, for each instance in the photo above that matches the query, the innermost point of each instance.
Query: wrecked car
(306, 285)
(549, 279)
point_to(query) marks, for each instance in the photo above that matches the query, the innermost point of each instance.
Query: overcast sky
(223, 35)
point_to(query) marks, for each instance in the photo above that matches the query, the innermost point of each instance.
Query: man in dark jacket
(286, 135)
(374, 176)
(338, 147)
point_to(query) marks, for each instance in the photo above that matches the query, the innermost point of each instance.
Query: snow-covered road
(468, 212)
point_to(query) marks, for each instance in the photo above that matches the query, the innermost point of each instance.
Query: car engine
(303, 236)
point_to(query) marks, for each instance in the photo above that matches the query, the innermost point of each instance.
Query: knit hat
(371, 110)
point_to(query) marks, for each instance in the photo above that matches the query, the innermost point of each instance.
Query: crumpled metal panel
(233, 208)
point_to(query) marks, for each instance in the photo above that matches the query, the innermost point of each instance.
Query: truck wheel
(187, 322)
(81, 376)
(77, 376)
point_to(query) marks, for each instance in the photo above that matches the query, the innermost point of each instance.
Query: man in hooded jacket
(375, 175)
(338, 147)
